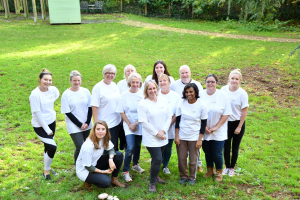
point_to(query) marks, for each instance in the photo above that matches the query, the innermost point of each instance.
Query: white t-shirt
(158, 115)
(122, 85)
(173, 99)
(129, 105)
(43, 102)
(238, 100)
(218, 105)
(89, 156)
(178, 86)
(77, 103)
(191, 116)
(106, 98)
(150, 78)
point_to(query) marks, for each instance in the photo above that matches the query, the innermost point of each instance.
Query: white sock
(47, 161)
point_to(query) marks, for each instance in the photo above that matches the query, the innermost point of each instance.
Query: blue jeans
(213, 153)
(167, 153)
(133, 147)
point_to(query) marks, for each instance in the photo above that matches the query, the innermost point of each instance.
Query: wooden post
(26, 13)
(6, 8)
(43, 10)
(146, 9)
(34, 11)
(169, 10)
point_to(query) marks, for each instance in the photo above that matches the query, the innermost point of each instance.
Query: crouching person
(93, 166)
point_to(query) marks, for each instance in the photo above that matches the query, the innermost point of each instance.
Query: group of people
(154, 113)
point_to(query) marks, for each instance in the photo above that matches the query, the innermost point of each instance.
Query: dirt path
(206, 33)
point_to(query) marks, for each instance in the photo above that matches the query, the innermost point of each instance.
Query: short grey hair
(108, 68)
(184, 66)
(74, 73)
(134, 75)
(128, 66)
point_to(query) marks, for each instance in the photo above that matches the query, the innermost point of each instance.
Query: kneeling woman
(93, 166)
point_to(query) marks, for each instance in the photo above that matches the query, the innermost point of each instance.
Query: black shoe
(183, 180)
(192, 182)
(47, 177)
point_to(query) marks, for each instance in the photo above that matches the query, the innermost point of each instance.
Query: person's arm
(89, 116)
(202, 130)
(43, 123)
(74, 119)
(168, 120)
(173, 120)
(132, 127)
(222, 120)
(177, 141)
(95, 114)
(242, 120)
(142, 118)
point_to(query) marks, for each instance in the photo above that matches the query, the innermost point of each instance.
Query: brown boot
(115, 181)
(209, 172)
(219, 176)
(88, 186)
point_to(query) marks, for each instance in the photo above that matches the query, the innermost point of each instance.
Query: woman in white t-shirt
(219, 109)
(236, 121)
(191, 118)
(122, 84)
(173, 99)
(42, 101)
(133, 130)
(105, 99)
(159, 68)
(76, 105)
(93, 165)
(155, 114)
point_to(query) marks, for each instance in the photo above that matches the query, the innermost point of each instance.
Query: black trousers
(156, 156)
(116, 133)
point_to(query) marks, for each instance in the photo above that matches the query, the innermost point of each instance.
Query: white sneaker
(225, 171)
(231, 172)
(166, 170)
(137, 168)
(126, 177)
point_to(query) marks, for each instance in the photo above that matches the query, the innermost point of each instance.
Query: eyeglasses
(110, 73)
(212, 82)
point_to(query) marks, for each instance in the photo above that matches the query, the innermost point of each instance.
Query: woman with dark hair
(190, 125)
(93, 166)
(42, 100)
(219, 109)
(159, 68)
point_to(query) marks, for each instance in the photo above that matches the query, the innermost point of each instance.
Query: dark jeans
(114, 133)
(78, 139)
(213, 153)
(236, 141)
(156, 156)
(167, 153)
(133, 147)
(103, 180)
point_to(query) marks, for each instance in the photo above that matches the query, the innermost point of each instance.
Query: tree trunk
(1, 5)
(169, 10)
(34, 11)
(121, 5)
(43, 10)
(146, 9)
(26, 13)
(192, 12)
(228, 8)
(17, 6)
(6, 8)
(20, 5)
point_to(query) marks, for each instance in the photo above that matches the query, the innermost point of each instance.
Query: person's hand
(207, 131)
(161, 135)
(177, 141)
(108, 171)
(84, 126)
(132, 127)
(199, 144)
(50, 133)
(213, 129)
(237, 130)
(112, 164)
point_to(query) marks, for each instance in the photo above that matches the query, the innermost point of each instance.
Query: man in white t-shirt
(178, 86)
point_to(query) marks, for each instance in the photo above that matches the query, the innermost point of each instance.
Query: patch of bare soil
(265, 82)
(225, 35)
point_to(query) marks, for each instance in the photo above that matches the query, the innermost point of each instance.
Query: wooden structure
(64, 11)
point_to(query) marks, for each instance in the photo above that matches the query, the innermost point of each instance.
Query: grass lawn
(269, 161)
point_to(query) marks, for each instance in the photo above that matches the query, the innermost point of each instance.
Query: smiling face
(135, 83)
(128, 71)
(211, 84)
(159, 69)
(151, 90)
(45, 82)
(109, 76)
(185, 75)
(76, 82)
(190, 93)
(234, 80)
(100, 131)
(164, 83)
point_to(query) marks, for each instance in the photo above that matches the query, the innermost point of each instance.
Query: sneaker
(225, 171)
(159, 180)
(152, 187)
(192, 181)
(47, 177)
(137, 168)
(231, 172)
(183, 180)
(54, 173)
(166, 170)
(126, 177)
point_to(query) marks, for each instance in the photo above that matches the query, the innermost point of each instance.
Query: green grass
(269, 154)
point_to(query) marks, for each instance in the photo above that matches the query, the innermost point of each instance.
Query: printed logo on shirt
(232, 100)
(81, 97)
(161, 107)
(193, 112)
(213, 102)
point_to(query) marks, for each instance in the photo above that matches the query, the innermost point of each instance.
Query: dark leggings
(156, 156)
(78, 139)
(103, 180)
(236, 141)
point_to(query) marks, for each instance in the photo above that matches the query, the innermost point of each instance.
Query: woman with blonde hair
(122, 84)
(236, 121)
(93, 165)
